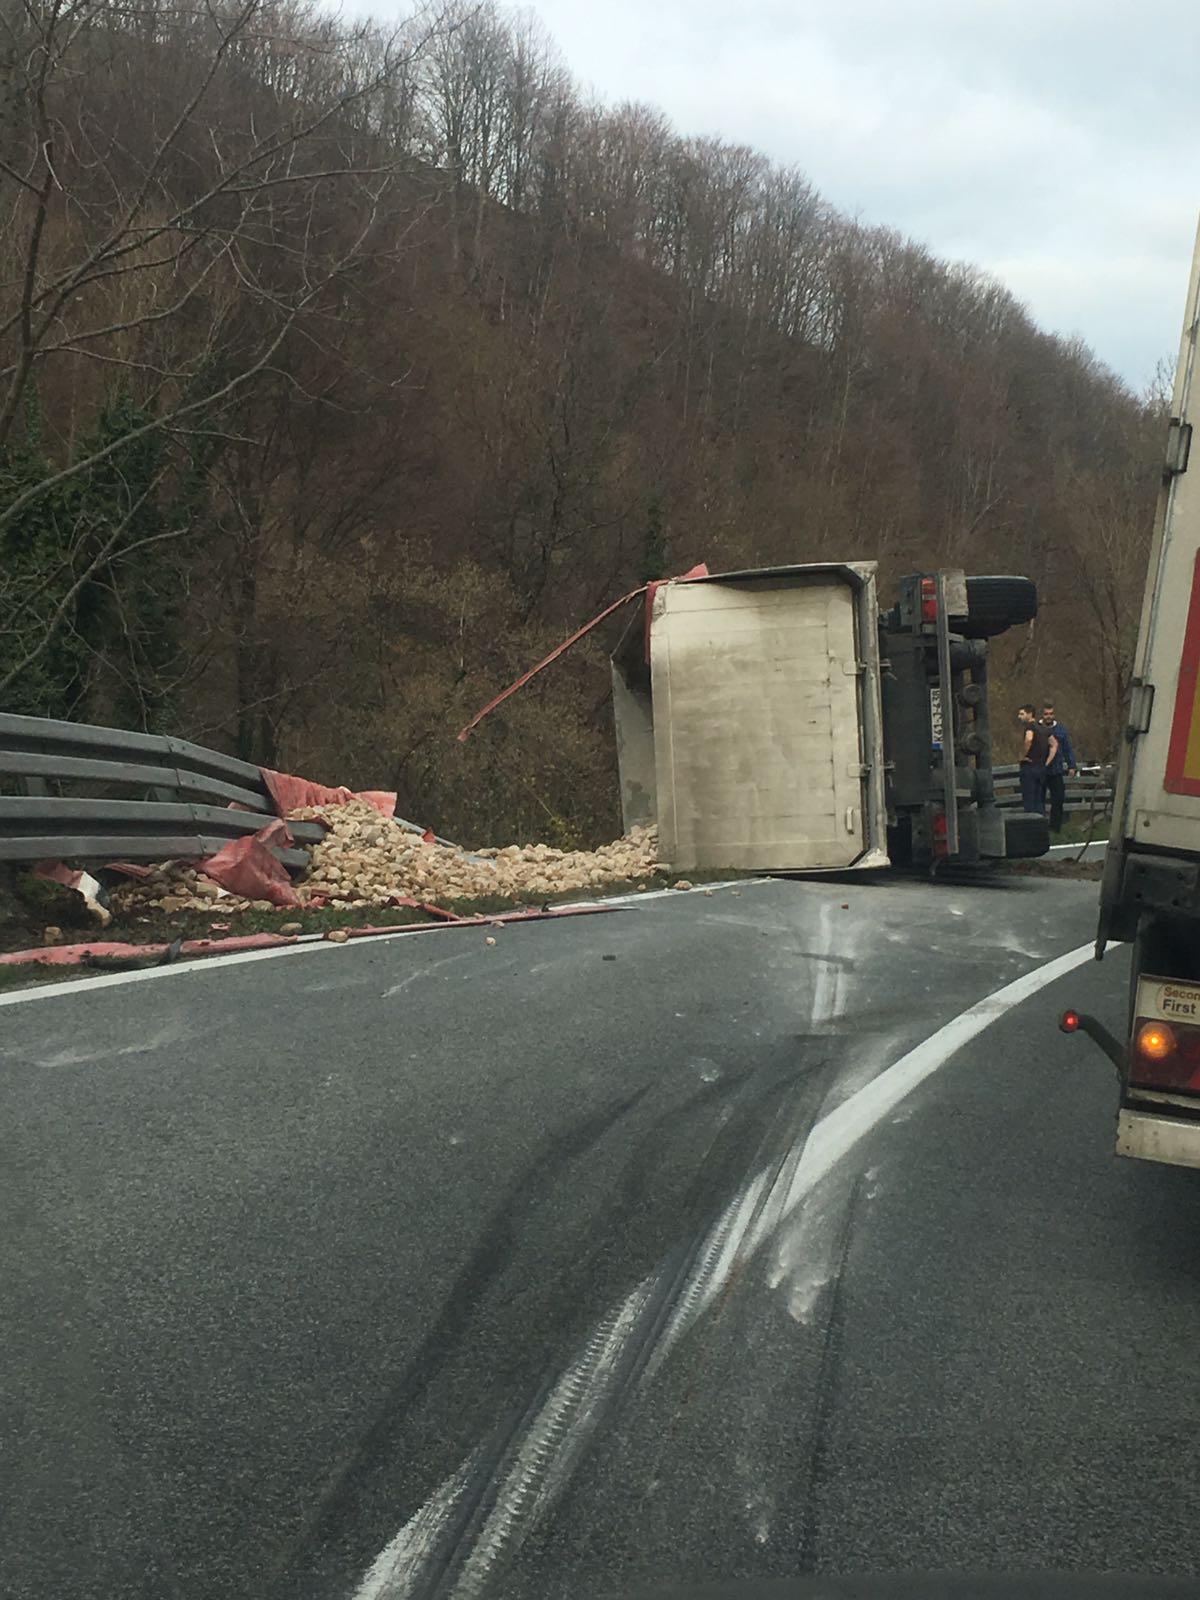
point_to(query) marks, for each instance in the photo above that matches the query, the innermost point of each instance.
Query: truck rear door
(764, 749)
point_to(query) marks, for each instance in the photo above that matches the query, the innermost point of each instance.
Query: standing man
(1062, 766)
(1038, 749)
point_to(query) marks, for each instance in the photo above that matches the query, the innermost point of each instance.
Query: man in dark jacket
(1038, 749)
(1062, 765)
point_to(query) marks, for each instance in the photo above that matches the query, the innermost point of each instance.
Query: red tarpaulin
(700, 571)
(58, 872)
(289, 794)
(73, 955)
(246, 866)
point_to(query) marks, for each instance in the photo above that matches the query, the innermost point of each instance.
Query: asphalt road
(422, 1267)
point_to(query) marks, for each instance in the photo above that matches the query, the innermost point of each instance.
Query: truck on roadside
(1150, 891)
(778, 719)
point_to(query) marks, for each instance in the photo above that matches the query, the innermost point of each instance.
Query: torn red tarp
(246, 866)
(289, 794)
(58, 872)
(72, 955)
(655, 584)
(427, 906)
(700, 571)
(83, 884)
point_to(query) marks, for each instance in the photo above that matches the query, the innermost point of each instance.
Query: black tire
(1026, 835)
(996, 604)
(900, 842)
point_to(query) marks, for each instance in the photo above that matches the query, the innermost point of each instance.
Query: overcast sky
(1050, 141)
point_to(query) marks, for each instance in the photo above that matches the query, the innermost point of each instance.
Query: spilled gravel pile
(367, 859)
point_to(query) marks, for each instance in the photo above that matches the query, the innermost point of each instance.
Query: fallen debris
(367, 859)
(118, 953)
(246, 867)
(137, 962)
(120, 956)
(62, 895)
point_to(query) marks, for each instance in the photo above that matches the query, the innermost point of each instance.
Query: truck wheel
(996, 604)
(1026, 835)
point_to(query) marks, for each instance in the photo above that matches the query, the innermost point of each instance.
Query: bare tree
(166, 194)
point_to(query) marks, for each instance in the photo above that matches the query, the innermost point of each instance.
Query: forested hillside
(343, 373)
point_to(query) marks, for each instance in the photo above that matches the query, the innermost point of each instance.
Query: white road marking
(774, 1194)
(147, 974)
(1093, 850)
(551, 1444)
(51, 991)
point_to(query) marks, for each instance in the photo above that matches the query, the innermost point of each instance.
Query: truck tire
(994, 605)
(1026, 835)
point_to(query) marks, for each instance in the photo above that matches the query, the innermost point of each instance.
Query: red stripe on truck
(1187, 710)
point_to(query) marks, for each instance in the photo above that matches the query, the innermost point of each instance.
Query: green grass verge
(1078, 828)
(156, 927)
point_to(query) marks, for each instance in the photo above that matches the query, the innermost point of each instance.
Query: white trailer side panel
(757, 724)
(1159, 806)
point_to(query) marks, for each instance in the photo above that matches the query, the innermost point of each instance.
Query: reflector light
(1069, 1022)
(929, 605)
(941, 834)
(1155, 1041)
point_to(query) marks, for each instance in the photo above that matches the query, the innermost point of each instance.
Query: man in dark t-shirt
(1038, 749)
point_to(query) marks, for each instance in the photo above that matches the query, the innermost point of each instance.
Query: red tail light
(929, 604)
(941, 834)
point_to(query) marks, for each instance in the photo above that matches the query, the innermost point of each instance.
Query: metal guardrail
(173, 799)
(1090, 790)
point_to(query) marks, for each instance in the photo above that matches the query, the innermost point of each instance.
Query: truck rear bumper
(1148, 1137)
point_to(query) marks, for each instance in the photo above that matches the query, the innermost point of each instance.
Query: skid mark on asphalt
(825, 1405)
(834, 965)
(537, 1464)
(426, 972)
(86, 1055)
(340, 983)
(625, 1349)
(352, 1480)
(804, 1254)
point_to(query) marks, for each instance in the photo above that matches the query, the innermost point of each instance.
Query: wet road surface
(619, 1253)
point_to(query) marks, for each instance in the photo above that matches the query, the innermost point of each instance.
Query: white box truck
(777, 720)
(1150, 893)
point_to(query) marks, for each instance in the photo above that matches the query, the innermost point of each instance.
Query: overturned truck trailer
(775, 720)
